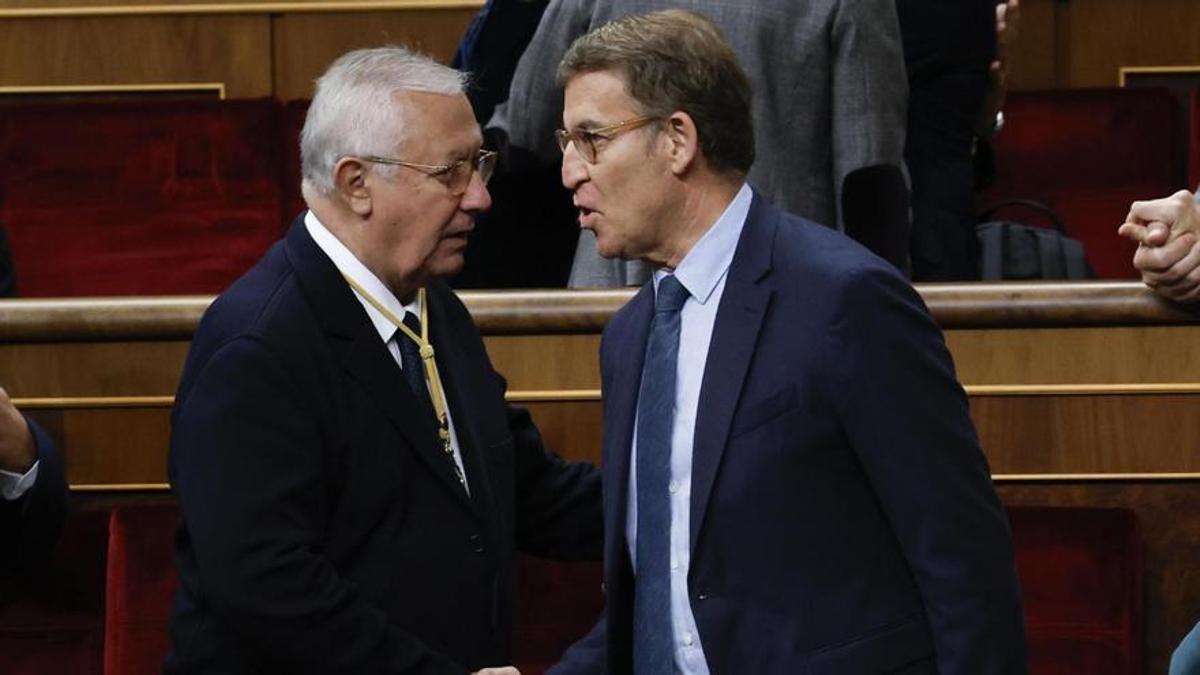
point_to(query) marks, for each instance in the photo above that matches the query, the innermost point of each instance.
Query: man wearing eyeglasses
(351, 482)
(792, 480)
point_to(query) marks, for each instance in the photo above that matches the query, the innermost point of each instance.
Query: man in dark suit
(792, 481)
(352, 491)
(33, 492)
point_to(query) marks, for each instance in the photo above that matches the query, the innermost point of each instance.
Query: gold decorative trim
(553, 395)
(1082, 389)
(1091, 477)
(218, 87)
(121, 487)
(1124, 71)
(185, 8)
(77, 402)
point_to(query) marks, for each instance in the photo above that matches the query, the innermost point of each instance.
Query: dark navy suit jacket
(33, 522)
(843, 518)
(323, 529)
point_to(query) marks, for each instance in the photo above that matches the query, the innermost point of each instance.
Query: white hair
(353, 111)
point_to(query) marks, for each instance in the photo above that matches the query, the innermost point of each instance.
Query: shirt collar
(352, 267)
(708, 261)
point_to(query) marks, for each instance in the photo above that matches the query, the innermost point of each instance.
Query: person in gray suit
(831, 96)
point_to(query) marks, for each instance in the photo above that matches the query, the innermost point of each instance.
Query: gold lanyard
(431, 370)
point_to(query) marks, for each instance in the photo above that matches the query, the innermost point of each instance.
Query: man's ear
(684, 142)
(350, 184)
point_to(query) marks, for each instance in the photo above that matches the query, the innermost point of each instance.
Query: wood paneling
(1129, 434)
(1170, 519)
(234, 50)
(160, 7)
(1108, 34)
(1033, 61)
(91, 369)
(305, 44)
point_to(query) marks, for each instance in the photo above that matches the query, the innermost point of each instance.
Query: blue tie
(653, 640)
(412, 365)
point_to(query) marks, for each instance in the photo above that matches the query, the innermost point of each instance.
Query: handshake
(1167, 232)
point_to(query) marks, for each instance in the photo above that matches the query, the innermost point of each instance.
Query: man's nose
(574, 169)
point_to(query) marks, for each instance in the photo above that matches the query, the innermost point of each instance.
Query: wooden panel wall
(1084, 43)
(253, 49)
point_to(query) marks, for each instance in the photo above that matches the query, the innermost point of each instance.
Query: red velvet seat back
(147, 197)
(1088, 154)
(1194, 140)
(141, 584)
(1081, 574)
(291, 124)
(54, 623)
(557, 603)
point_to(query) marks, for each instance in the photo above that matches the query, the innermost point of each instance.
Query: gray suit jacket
(830, 96)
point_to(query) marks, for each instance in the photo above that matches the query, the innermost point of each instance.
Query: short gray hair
(353, 111)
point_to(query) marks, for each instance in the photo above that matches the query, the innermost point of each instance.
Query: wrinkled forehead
(442, 121)
(597, 98)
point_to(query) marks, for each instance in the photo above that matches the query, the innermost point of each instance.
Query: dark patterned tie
(411, 364)
(653, 640)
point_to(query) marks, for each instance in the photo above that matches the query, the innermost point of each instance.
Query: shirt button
(673, 487)
(687, 639)
(674, 564)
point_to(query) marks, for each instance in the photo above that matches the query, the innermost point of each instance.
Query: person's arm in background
(33, 492)
(870, 101)
(1008, 20)
(8, 274)
(1167, 231)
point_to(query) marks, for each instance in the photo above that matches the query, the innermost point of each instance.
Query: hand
(1168, 235)
(17, 451)
(1008, 21)
(505, 670)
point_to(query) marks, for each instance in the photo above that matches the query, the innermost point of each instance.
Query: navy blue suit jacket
(843, 518)
(33, 522)
(323, 529)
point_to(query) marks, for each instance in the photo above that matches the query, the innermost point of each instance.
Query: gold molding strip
(1091, 477)
(552, 395)
(998, 478)
(77, 402)
(1082, 389)
(185, 8)
(218, 87)
(121, 487)
(1124, 71)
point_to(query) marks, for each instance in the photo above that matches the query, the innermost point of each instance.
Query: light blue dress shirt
(702, 272)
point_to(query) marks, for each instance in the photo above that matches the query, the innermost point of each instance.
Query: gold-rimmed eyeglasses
(585, 139)
(455, 176)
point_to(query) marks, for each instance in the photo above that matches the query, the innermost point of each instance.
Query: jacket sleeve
(907, 419)
(585, 657)
(34, 521)
(247, 465)
(870, 90)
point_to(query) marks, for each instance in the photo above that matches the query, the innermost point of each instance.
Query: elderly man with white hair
(351, 481)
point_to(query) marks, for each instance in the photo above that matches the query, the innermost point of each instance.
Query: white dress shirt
(352, 267)
(14, 485)
(702, 272)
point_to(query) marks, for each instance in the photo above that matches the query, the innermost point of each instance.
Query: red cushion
(291, 124)
(53, 623)
(147, 197)
(557, 603)
(1088, 154)
(1081, 584)
(141, 583)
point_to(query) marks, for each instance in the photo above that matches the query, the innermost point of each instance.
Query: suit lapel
(456, 381)
(744, 303)
(621, 408)
(356, 344)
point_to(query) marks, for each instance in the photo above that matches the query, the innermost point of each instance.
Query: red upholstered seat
(291, 124)
(141, 583)
(557, 603)
(1081, 583)
(1088, 154)
(1194, 140)
(146, 197)
(54, 623)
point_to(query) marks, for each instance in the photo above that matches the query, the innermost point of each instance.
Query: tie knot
(413, 323)
(671, 295)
